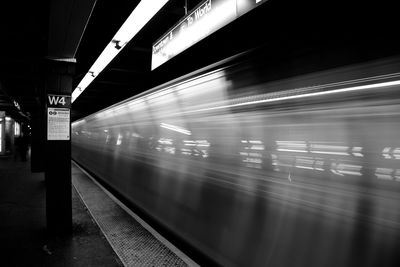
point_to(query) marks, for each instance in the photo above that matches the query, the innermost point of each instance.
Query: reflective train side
(302, 171)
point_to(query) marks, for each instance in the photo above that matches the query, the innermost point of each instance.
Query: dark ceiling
(23, 38)
(298, 36)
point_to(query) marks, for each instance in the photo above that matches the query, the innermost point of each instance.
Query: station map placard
(58, 121)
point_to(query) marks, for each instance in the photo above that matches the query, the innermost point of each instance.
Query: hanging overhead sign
(58, 117)
(205, 19)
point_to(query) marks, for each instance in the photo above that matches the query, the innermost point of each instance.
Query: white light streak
(351, 172)
(190, 144)
(397, 175)
(175, 128)
(257, 147)
(330, 153)
(384, 173)
(204, 145)
(305, 95)
(253, 160)
(291, 150)
(304, 167)
(385, 153)
(396, 153)
(166, 141)
(119, 140)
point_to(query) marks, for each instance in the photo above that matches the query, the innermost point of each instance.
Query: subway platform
(105, 233)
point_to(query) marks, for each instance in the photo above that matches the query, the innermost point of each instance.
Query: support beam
(58, 154)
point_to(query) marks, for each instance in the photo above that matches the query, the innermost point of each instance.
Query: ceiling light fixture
(139, 17)
(117, 44)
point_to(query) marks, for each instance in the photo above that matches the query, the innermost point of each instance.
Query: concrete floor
(24, 240)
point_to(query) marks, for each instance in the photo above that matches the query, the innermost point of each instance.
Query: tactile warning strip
(132, 242)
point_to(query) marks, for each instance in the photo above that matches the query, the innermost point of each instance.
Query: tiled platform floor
(136, 243)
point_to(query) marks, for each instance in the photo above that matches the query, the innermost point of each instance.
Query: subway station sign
(58, 117)
(205, 19)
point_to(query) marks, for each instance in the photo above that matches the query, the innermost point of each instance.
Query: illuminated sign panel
(205, 19)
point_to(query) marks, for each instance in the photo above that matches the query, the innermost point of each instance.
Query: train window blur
(251, 153)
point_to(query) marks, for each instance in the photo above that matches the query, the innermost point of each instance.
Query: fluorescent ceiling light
(139, 17)
(82, 85)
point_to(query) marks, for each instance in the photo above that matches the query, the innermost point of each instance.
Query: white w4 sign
(58, 101)
(54, 100)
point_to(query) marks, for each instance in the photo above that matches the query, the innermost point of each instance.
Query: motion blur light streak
(175, 128)
(119, 140)
(272, 99)
(356, 151)
(384, 173)
(396, 153)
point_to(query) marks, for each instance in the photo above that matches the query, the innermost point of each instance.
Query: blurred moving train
(302, 171)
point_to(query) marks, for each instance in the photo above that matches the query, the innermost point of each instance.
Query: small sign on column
(58, 117)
